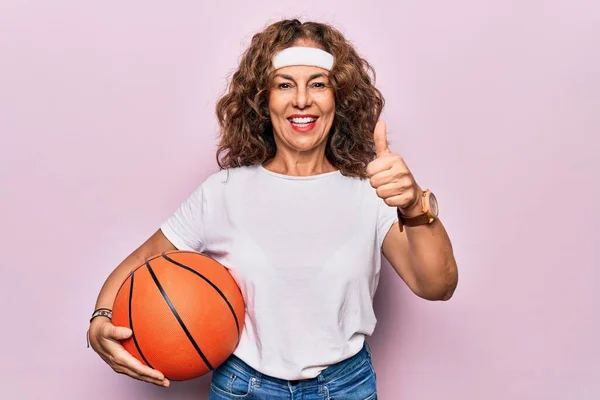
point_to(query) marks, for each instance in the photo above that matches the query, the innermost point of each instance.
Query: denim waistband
(330, 373)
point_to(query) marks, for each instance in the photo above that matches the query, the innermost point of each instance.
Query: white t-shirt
(306, 254)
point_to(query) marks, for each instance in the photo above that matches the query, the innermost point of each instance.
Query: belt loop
(320, 377)
(368, 348)
(258, 377)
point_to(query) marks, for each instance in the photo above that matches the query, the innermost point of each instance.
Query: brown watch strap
(422, 219)
(416, 221)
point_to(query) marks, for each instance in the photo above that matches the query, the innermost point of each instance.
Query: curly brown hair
(246, 133)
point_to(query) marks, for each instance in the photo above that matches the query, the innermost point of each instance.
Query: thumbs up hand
(391, 178)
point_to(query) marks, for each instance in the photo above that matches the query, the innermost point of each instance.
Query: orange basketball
(186, 313)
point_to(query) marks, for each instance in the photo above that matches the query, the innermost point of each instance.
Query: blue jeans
(351, 379)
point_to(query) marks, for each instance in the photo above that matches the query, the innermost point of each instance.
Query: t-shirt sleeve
(185, 227)
(386, 217)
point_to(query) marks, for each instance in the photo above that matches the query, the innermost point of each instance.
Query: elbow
(437, 294)
(440, 289)
(447, 295)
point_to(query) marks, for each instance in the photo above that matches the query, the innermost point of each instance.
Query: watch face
(433, 205)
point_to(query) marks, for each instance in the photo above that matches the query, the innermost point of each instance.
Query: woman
(308, 196)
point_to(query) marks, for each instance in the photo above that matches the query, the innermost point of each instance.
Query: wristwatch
(429, 212)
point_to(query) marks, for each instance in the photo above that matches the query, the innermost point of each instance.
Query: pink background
(107, 123)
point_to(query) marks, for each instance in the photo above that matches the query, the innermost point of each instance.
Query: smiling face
(302, 108)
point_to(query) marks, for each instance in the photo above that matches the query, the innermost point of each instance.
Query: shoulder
(229, 176)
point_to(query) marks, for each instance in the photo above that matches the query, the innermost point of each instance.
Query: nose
(302, 98)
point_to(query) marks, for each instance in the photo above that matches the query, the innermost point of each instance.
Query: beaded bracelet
(102, 312)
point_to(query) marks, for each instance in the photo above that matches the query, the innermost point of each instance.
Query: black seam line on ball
(177, 316)
(237, 324)
(137, 346)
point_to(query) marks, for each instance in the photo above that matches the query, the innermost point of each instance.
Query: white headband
(303, 56)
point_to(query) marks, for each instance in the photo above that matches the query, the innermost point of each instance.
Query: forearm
(432, 260)
(111, 286)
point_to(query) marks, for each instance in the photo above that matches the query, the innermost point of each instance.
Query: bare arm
(423, 257)
(104, 336)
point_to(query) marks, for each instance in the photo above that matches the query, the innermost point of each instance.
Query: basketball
(186, 313)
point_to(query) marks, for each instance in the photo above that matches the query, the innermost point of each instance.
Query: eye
(319, 85)
(284, 86)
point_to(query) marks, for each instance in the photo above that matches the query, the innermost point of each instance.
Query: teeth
(306, 120)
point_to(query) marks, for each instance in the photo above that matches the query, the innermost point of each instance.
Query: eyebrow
(310, 78)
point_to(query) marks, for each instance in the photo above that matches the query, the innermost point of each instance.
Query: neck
(298, 165)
